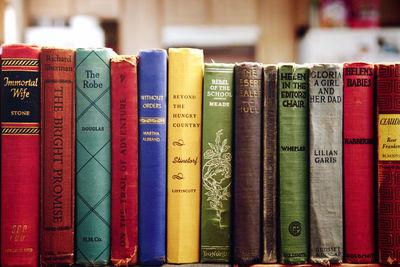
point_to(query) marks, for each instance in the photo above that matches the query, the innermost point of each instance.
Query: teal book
(216, 163)
(293, 163)
(93, 156)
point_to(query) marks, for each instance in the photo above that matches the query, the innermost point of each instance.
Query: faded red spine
(358, 162)
(388, 123)
(58, 155)
(20, 152)
(124, 220)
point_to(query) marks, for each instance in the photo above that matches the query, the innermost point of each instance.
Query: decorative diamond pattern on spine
(93, 156)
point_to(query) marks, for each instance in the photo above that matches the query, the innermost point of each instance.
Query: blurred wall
(141, 21)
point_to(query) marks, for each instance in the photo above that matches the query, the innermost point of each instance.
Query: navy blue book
(152, 84)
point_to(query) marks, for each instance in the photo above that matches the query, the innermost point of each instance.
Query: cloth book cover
(359, 162)
(93, 156)
(270, 164)
(185, 80)
(58, 155)
(20, 155)
(326, 153)
(152, 79)
(387, 83)
(247, 164)
(217, 162)
(124, 161)
(293, 163)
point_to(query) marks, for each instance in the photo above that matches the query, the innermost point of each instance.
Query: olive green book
(293, 163)
(216, 162)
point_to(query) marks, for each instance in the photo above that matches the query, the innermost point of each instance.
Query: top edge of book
(96, 49)
(20, 46)
(218, 65)
(358, 63)
(249, 63)
(153, 50)
(270, 65)
(56, 48)
(387, 63)
(326, 65)
(185, 50)
(131, 59)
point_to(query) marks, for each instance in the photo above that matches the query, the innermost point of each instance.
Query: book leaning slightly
(185, 77)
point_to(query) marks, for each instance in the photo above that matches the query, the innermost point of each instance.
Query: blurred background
(268, 31)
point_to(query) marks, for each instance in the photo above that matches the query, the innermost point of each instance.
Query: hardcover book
(152, 80)
(247, 162)
(325, 124)
(93, 156)
(217, 163)
(359, 164)
(388, 129)
(270, 132)
(124, 140)
(58, 155)
(185, 77)
(20, 150)
(293, 163)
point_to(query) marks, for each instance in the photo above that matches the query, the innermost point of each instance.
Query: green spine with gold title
(293, 167)
(216, 162)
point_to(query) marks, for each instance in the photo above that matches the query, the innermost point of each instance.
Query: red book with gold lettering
(359, 161)
(124, 201)
(20, 155)
(58, 155)
(388, 129)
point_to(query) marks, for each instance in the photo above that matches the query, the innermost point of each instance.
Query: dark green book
(93, 156)
(293, 163)
(216, 162)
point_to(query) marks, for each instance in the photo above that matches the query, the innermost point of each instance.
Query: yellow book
(185, 77)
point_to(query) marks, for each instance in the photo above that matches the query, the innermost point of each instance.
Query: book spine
(388, 130)
(293, 163)
(124, 164)
(217, 162)
(185, 77)
(152, 80)
(58, 155)
(247, 162)
(270, 132)
(326, 149)
(20, 150)
(93, 156)
(358, 164)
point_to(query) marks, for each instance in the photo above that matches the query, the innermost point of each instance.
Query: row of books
(245, 163)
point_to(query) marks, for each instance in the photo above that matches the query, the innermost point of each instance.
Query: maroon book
(58, 155)
(20, 155)
(388, 129)
(124, 202)
(359, 162)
